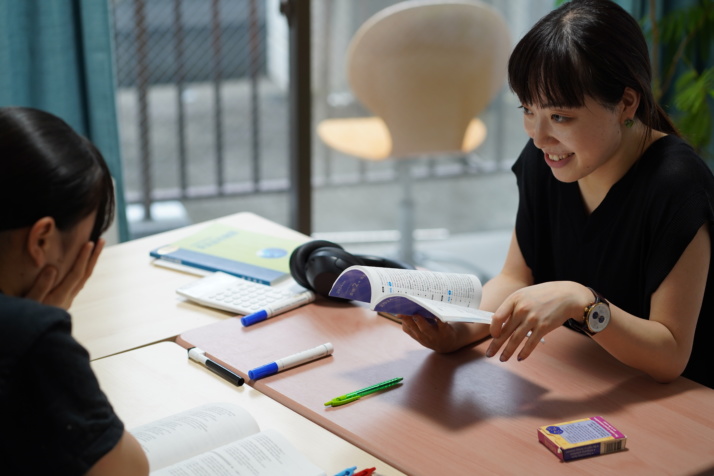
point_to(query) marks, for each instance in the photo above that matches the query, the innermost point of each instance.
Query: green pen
(352, 396)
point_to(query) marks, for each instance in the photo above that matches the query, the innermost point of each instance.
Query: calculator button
(223, 291)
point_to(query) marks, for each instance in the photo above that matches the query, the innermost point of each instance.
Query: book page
(411, 305)
(371, 284)
(193, 432)
(264, 454)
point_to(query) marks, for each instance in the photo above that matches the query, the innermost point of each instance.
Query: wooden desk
(128, 303)
(454, 414)
(149, 383)
(462, 413)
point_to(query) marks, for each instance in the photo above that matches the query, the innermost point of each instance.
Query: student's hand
(432, 333)
(537, 309)
(47, 290)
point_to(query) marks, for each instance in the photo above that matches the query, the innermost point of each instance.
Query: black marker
(197, 355)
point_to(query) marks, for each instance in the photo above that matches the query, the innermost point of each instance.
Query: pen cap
(197, 355)
(263, 371)
(254, 318)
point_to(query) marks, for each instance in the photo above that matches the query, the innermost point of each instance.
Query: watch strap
(598, 297)
(583, 326)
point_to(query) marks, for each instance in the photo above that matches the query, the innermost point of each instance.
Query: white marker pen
(292, 361)
(283, 305)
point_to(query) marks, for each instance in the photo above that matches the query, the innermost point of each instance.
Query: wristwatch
(596, 316)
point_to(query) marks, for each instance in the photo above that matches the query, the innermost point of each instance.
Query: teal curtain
(56, 55)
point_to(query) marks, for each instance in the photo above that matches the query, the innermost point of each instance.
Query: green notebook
(251, 255)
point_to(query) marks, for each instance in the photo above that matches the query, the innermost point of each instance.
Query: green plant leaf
(693, 93)
(692, 89)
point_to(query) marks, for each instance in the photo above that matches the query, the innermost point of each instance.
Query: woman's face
(576, 142)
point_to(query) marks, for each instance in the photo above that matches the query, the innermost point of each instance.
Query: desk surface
(158, 380)
(128, 302)
(458, 412)
(453, 413)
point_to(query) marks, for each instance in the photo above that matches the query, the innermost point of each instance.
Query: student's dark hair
(47, 169)
(586, 48)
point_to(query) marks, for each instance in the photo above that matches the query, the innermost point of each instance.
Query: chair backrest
(427, 68)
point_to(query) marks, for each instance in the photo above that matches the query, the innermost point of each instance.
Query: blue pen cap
(263, 371)
(254, 318)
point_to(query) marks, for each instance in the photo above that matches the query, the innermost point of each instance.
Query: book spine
(583, 451)
(201, 265)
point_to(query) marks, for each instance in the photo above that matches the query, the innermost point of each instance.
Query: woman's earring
(629, 123)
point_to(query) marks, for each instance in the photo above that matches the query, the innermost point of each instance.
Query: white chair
(425, 69)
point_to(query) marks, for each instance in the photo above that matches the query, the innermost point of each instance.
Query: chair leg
(406, 213)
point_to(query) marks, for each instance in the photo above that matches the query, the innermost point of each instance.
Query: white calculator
(230, 293)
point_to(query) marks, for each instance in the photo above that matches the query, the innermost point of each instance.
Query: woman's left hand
(48, 291)
(537, 309)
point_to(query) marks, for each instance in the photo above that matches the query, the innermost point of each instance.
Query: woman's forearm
(646, 345)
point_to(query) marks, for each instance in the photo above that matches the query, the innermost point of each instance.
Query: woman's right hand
(47, 290)
(531, 312)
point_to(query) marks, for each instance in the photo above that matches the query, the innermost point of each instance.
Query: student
(614, 208)
(57, 198)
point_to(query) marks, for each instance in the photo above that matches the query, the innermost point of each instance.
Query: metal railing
(179, 47)
(205, 104)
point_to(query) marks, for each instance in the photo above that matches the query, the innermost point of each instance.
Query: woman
(613, 231)
(58, 198)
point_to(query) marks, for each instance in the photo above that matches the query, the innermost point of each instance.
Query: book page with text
(193, 432)
(371, 284)
(264, 454)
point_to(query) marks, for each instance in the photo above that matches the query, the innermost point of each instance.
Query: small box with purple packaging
(582, 438)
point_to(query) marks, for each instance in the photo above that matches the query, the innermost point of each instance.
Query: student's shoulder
(27, 320)
(672, 157)
(21, 307)
(671, 172)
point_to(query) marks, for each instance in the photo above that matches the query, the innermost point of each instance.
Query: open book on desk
(219, 438)
(450, 297)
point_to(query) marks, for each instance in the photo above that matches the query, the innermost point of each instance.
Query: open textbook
(450, 297)
(219, 438)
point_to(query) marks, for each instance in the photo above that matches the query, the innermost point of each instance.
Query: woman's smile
(558, 160)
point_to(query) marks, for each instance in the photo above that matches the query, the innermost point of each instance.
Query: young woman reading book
(613, 234)
(57, 199)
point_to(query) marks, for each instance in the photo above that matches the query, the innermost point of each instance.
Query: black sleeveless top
(627, 246)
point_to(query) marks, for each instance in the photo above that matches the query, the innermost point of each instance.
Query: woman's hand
(47, 290)
(537, 309)
(440, 336)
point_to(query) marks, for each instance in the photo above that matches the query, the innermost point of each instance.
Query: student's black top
(55, 419)
(627, 246)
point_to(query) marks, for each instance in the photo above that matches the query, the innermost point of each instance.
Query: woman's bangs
(547, 78)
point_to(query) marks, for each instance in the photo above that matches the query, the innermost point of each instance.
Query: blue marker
(347, 472)
(284, 305)
(291, 361)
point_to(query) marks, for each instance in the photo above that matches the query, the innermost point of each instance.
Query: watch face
(598, 317)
